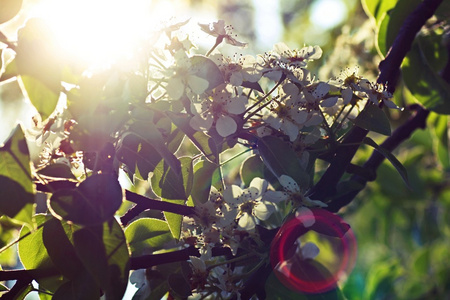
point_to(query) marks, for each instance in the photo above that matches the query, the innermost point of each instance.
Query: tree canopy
(180, 159)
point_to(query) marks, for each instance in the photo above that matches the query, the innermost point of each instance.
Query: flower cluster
(180, 101)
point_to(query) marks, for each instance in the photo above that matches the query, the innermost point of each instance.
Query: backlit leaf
(203, 142)
(440, 138)
(170, 184)
(373, 119)
(147, 234)
(10, 8)
(57, 170)
(281, 159)
(251, 167)
(104, 253)
(392, 22)
(425, 84)
(205, 68)
(203, 174)
(33, 253)
(377, 8)
(38, 63)
(15, 178)
(94, 201)
(151, 134)
(139, 156)
(57, 239)
(392, 159)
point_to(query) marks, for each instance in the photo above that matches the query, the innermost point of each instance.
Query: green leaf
(147, 234)
(170, 184)
(33, 253)
(380, 279)
(38, 63)
(82, 287)
(252, 85)
(440, 138)
(3, 288)
(57, 239)
(43, 98)
(158, 280)
(275, 290)
(94, 201)
(373, 119)
(174, 220)
(391, 23)
(31, 248)
(22, 294)
(203, 174)
(150, 133)
(104, 253)
(179, 285)
(205, 68)
(139, 156)
(443, 11)
(252, 167)
(377, 8)
(173, 188)
(392, 159)
(10, 8)
(281, 159)
(10, 70)
(425, 84)
(15, 178)
(203, 142)
(57, 170)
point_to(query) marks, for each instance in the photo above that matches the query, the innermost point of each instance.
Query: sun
(100, 32)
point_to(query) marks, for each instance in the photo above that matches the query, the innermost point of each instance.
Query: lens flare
(320, 274)
(100, 32)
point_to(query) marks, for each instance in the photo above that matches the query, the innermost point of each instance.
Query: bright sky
(328, 13)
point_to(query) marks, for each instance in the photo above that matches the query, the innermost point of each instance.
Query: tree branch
(143, 203)
(402, 133)
(148, 261)
(390, 66)
(389, 70)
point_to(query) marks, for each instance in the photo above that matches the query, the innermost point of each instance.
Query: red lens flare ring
(319, 274)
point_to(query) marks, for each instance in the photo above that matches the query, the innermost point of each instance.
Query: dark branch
(389, 67)
(389, 70)
(402, 133)
(147, 203)
(24, 278)
(148, 261)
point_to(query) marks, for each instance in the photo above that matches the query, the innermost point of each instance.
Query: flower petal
(347, 95)
(226, 126)
(199, 123)
(247, 222)
(275, 196)
(236, 78)
(306, 216)
(198, 85)
(263, 211)
(231, 194)
(260, 184)
(175, 88)
(309, 250)
(329, 102)
(290, 129)
(236, 105)
(289, 184)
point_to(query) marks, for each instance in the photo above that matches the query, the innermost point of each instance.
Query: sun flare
(102, 31)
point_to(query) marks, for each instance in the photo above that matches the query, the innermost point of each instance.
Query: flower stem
(260, 101)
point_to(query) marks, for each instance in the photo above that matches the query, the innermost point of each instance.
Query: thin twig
(389, 70)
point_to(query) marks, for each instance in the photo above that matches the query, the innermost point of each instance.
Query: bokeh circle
(338, 251)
